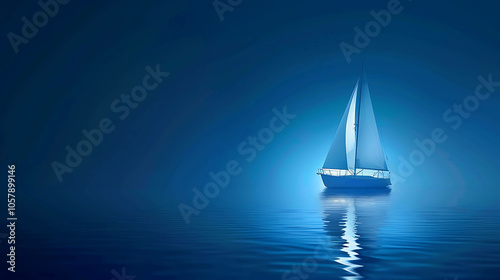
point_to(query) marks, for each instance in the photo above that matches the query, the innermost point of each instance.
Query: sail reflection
(342, 207)
(351, 244)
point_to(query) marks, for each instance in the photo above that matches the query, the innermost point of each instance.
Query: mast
(359, 111)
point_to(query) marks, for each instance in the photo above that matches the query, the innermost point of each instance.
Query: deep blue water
(364, 235)
(119, 207)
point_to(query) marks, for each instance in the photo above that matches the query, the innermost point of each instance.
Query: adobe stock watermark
(322, 252)
(223, 6)
(121, 107)
(371, 30)
(30, 27)
(122, 276)
(249, 150)
(454, 117)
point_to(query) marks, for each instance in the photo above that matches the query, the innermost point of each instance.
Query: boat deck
(383, 174)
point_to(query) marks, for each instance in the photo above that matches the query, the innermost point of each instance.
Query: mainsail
(356, 144)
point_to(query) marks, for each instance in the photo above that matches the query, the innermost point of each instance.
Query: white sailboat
(356, 157)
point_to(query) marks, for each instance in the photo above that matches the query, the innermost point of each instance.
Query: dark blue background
(225, 79)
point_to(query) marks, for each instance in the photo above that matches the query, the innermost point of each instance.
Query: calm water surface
(342, 236)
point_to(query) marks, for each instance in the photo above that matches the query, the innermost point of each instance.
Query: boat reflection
(358, 212)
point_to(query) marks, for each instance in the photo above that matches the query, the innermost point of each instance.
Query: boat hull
(354, 181)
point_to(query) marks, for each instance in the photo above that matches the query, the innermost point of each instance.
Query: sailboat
(356, 157)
